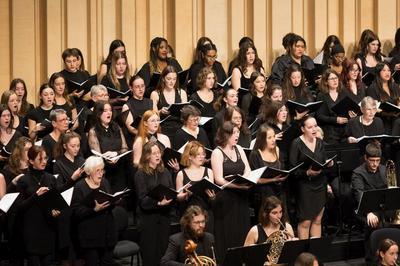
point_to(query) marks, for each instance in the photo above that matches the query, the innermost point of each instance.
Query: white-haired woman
(96, 233)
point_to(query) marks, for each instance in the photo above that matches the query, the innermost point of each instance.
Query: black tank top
(262, 236)
(186, 178)
(230, 167)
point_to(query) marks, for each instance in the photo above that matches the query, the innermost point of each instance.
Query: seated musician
(193, 223)
(369, 176)
(271, 219)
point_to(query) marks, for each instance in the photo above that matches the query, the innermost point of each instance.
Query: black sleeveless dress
(231, 211)
(203, 202)
(172, 124)
(262, 235)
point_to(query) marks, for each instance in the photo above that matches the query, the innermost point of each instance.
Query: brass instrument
(193, 259)
(392, 182)
(277, 240)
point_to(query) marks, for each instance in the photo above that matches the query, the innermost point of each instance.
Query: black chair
(124, 247)
(380, 234)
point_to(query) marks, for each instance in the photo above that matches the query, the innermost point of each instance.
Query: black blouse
(356, 129)
(208, 109)
(182, 136)
(39, 115)
(144, 183)
(94, 229)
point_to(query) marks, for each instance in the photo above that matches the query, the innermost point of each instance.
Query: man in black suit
(193, 223)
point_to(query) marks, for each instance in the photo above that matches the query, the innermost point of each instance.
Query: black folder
(161, 191)
(312, 75)
(170, 154)
(396, 76)
(85, 85)
(102, 196)
(345, 105)
(225, 84)
(368, 78)
(315, 165)
(52, 200)
(114, 93)
(311, 107)
(199, 188)
(389, 107)
(176, 108)
(271, 172)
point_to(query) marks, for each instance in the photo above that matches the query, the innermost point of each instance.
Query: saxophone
(392, 182)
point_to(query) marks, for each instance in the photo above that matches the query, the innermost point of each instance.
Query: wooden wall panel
(5, 48)
(23, 44)
(33, 33)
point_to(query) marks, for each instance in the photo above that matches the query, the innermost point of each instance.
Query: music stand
(320, 247)
(254, 255)
(379, 200)
(345, 162)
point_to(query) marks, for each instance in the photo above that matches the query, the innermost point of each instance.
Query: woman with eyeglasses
(351, 80)
(149, 130)
(338, 57)
(193, 159)
(366, 124)
(235, 115)
(155, 219)
(94, 222)
(331, 94)
(39, 233)
(190, 130)
(208, 58)
(106, 137)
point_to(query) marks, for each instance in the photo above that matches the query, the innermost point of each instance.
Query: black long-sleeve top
(94, 229)
(144, 183)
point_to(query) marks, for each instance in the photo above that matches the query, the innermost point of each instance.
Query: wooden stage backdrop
(33, 33)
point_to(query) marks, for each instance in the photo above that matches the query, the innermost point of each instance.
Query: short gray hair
(95, 89)
(92, 163)
(55, 113)
(368, 100)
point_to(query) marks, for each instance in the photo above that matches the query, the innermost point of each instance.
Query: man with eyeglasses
(193, 223)
(369, 176)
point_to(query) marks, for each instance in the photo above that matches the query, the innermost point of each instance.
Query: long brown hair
(267, 206)
(14, 162)
(145, 158)
(112, 75)
(261, 140)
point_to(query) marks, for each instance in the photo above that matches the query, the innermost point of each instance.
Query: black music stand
(254, 255)
(346, 162)
(320, 247)
(379, 200)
